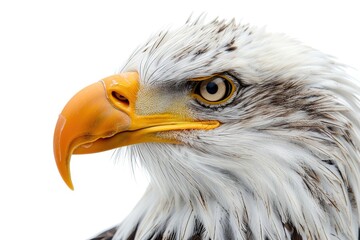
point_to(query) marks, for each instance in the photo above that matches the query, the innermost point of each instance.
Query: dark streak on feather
(292, 230)
(202, 200)
(228, 233)
(230, 49)
(107, 235)
(201, 51)
(172, 236)
(158, 236)
(198, 231)
(221, 28)
(133, 234)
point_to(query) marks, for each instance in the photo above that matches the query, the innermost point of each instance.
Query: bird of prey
(245, 134)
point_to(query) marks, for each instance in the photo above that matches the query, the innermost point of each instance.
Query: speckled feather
(284, 164)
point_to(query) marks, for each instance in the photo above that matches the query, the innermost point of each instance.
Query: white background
(51, 49)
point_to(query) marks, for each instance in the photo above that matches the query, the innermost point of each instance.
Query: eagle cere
(245, 134)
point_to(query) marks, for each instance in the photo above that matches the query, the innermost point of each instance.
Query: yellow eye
(215, 90)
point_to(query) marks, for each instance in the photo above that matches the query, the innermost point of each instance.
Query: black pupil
(212, 88)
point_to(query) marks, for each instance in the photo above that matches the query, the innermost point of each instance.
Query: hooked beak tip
(61, 152)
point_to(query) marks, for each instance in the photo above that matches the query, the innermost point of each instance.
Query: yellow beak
(102, 116)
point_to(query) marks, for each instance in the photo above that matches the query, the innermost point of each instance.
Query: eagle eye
(214, 90)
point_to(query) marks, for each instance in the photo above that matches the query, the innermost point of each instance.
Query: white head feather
(284, 162)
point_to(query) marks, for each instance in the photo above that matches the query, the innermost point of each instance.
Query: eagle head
(245, 134)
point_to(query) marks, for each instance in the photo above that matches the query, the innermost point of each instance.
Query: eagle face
(245, 134)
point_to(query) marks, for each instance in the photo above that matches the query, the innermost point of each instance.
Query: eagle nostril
(120, 98)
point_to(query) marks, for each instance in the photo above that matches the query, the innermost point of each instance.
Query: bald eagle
(245, 134)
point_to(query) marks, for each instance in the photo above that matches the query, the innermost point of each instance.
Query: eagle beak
(102, 116)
